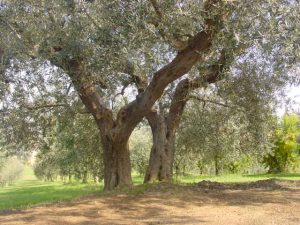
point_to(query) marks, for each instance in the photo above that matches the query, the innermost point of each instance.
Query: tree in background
(140, 144)
(220, 135)
(71, 148)
(11, 169)
(285, 149)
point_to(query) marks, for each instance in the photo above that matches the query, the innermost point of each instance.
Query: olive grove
(128, 60)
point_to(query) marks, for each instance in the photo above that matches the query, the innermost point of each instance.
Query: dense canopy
(125, 60)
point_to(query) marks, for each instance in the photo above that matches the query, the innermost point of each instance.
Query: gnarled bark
(162, 152)
(164, 128)
(117, 169)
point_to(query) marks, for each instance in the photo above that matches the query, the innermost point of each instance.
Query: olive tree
(105, 46)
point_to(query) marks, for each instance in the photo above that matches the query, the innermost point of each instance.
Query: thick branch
(141, 84)
(153, 119)
(178, 103)
(89, 96)
(184, 87)
(133, 113)
(182, 63)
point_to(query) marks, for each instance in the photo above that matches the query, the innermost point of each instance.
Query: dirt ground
(262, 203)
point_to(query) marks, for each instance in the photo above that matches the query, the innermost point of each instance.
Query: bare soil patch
(264, 202)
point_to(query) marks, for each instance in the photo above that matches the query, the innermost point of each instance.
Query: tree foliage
(71, 149)
(140, 145)
(285, 150)
(56, 53)
(11, 169)
(221, 136)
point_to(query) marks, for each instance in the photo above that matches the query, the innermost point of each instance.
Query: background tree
(11, 169)
(140, 144)
(71, 149)
(284, 155)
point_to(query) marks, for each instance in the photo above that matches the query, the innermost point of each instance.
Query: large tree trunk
(117, 168)
(114, 138)
(163, 130)
(162, 152)
(217, 165)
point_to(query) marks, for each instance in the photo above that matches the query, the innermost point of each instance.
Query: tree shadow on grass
(120, 209)
(156, 205)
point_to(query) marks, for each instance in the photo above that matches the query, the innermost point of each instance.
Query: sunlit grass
(30, 191)
(234, 178)
(137, 178)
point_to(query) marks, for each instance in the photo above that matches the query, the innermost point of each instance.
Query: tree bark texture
(163, 131)
(162, 152)
(117, 168)
(164, 127)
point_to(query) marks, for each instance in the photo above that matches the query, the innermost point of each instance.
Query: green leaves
(72, 148)
(11, 169)
(284, 156)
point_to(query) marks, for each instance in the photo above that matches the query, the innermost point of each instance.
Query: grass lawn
(30, 191)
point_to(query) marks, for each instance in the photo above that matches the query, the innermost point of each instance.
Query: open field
(30, 191)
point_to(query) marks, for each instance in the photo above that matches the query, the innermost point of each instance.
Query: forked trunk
(117, 168)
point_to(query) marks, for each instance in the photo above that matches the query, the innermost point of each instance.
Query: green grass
(30, 191)
(137, 178)
(233, 178)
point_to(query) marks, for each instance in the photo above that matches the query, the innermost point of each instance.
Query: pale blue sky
(293, 93)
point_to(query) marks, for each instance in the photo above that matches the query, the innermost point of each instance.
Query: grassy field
(30, 191)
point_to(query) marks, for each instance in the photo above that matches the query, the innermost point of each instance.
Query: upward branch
(130, 115)
(83, 83)
(184, 87)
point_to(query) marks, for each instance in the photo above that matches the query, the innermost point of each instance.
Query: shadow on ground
(269, 202)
